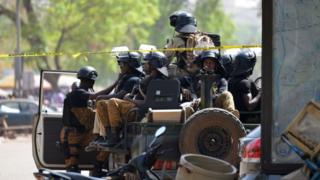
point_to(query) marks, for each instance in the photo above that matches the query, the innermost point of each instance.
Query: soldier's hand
(186, 93)
(127, 97)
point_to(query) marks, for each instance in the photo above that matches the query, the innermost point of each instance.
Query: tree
(161, 30)
(212, 18)
(81, 25)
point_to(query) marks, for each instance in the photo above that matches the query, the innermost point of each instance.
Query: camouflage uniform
(77, 128)
(222, 98)
(112, 111)
(126, 83)
(183, 62)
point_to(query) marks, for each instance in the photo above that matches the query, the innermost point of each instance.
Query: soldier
(227, 63)
(186, 36)
(77, 121)
(130, 75)
(209, 63)
(246, 94)
(118, 108)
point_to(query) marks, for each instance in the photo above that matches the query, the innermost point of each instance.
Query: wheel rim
(214, 141)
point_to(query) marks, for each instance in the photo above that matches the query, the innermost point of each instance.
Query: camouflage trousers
(111, 112)
(85, 116)
(73, 142)
(224, 101)
(97, 127)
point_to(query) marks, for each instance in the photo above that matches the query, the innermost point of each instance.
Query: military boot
(93, 144)
(112, 138)
(97, 170)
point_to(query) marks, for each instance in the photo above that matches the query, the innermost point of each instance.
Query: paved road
(16, 160)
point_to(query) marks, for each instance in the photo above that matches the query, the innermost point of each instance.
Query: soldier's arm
(172, 44)
(250, 102)
(223, 85)
(118, 95)
(107, 90)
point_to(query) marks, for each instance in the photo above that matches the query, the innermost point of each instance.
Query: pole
(18, 60)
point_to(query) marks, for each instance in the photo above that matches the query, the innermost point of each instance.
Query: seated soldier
(111, 113)
(209, 63)
(77, 122)
(246, 94)
(227, 63)
(130, 75)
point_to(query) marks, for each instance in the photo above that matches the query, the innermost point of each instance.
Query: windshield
(52, 98)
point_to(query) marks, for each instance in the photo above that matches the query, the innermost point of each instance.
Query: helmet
(226, 59)
(185, 23)
(204, 55)
(158, 60)
(244, 63)
(211, 54)
(227, 63)
(173, 17)
(87, 73)
(133, 60)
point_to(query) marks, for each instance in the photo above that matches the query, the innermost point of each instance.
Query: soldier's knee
(112, 101)
(99, 104)
(226, 95)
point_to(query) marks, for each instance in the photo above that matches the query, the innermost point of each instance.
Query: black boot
(97, 170)
(112, 138)
(93, 144)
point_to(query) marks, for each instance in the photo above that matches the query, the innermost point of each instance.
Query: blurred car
(20, 111)
(250, 153)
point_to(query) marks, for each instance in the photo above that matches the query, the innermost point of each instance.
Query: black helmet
(227, 63)
(244, 63)
(186, 23)
(133, 60)
(211, 54)
(173, 17)
(158, 60)
(87, 73)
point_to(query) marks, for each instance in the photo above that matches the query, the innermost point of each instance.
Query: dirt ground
(16, 160)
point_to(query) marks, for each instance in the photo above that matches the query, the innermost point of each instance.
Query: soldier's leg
(74, 139)
(85, 116)
(98, 135)
(96, 125)
(98, 128)
(101, 163)
(102, 111)
(225, 101)
(64, 145)
(117, 110)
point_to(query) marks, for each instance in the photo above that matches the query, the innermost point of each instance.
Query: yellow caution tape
(77, 54)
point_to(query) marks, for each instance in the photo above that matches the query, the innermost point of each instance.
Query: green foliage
(162, 30)
(99, 25)
(209, 14)
(82, 25)
(212, 18)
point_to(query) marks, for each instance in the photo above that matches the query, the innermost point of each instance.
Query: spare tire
(213, 132)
